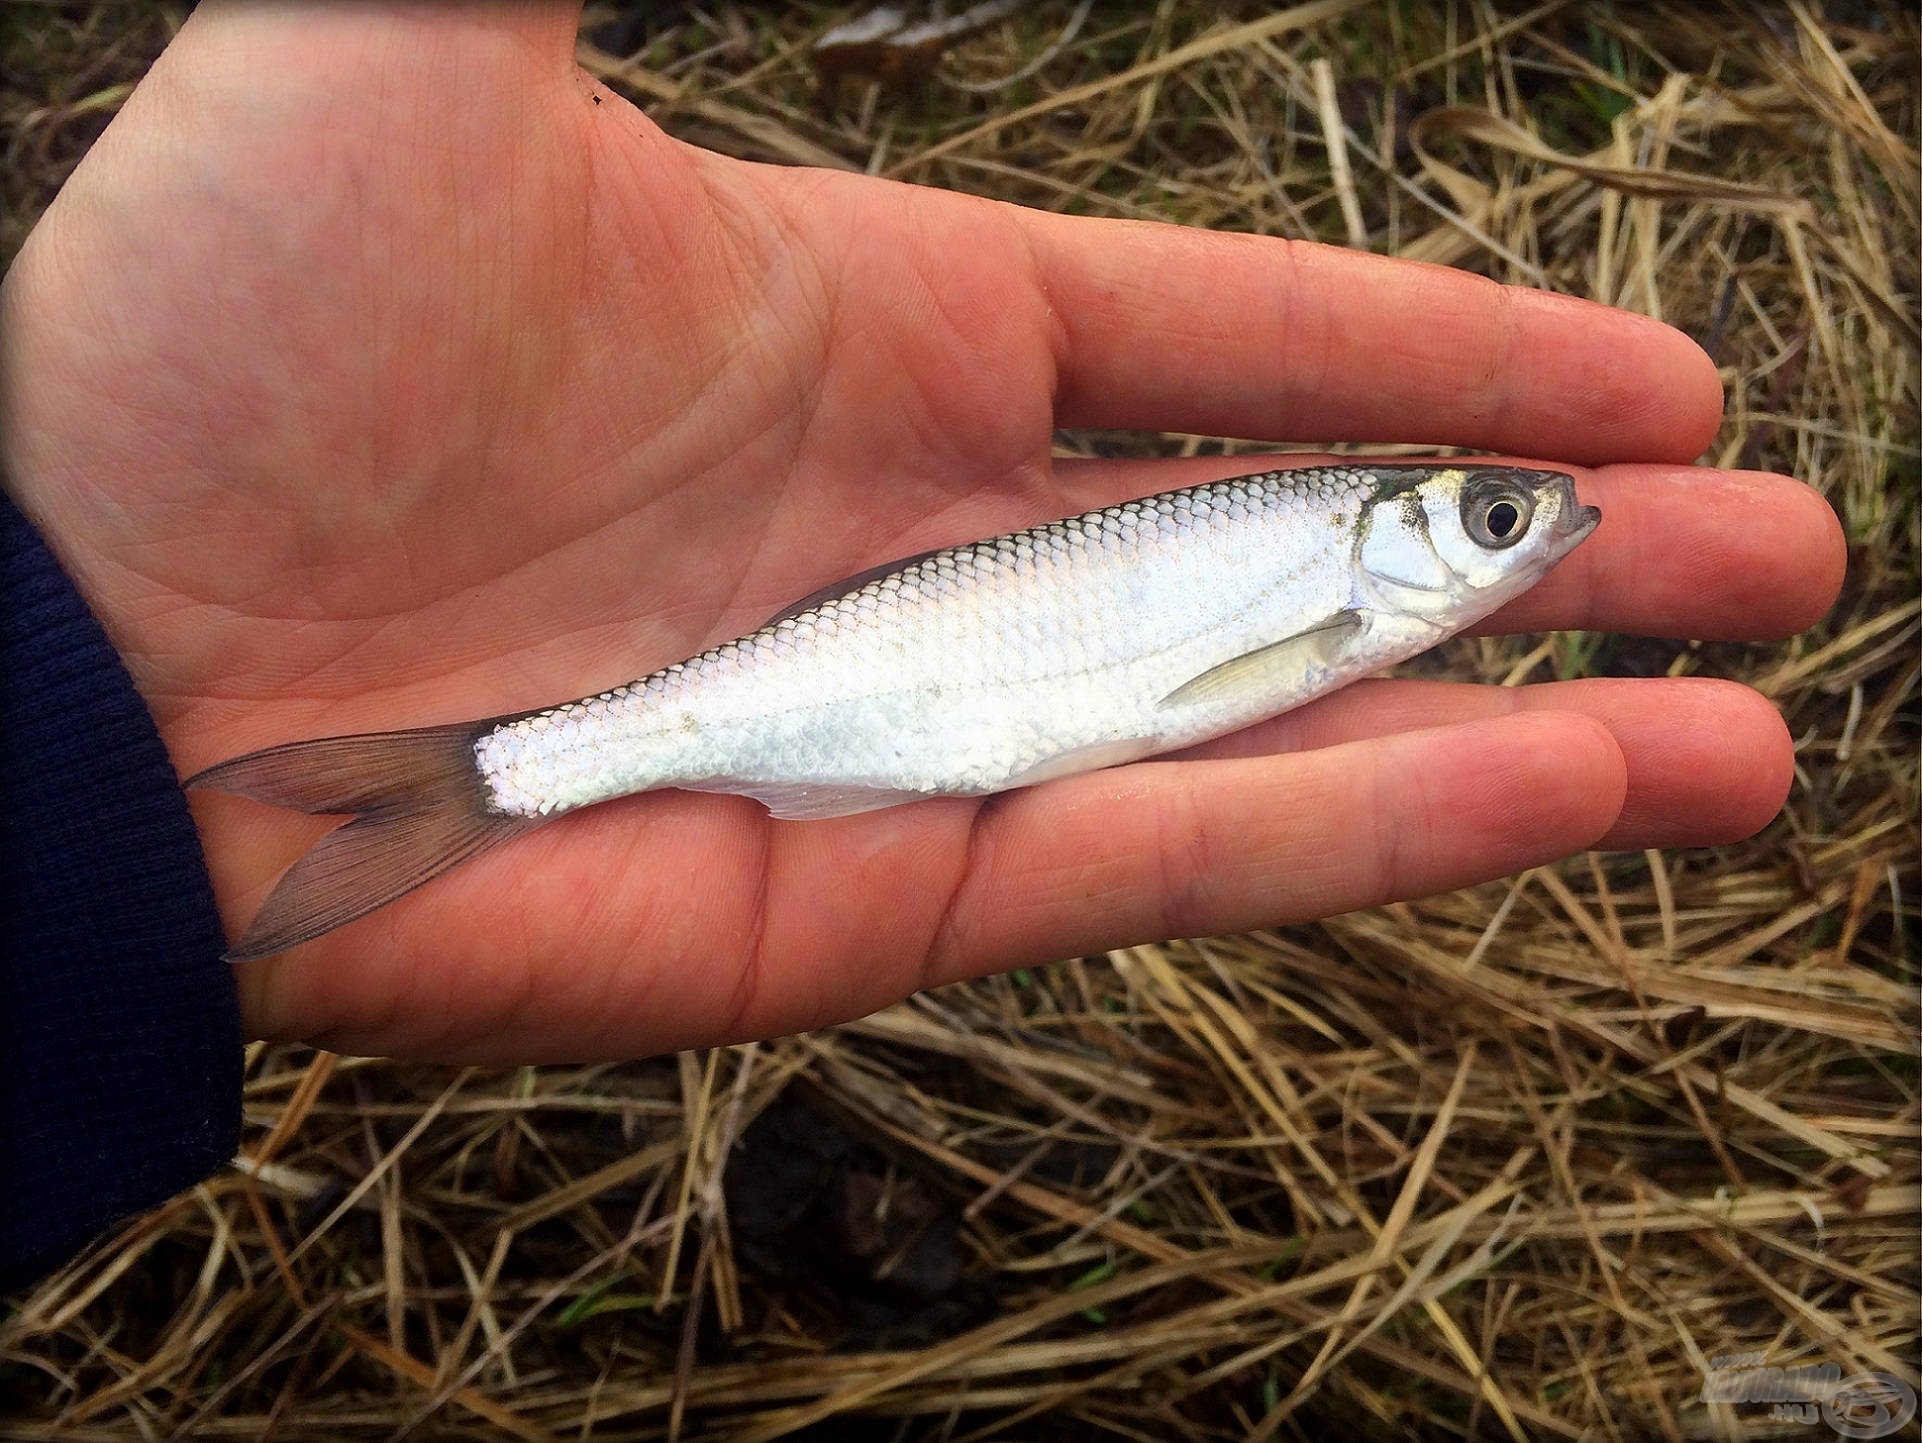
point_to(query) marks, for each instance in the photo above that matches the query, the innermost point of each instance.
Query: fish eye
(1498, 518)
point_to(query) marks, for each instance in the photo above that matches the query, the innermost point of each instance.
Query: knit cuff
(120, 1036)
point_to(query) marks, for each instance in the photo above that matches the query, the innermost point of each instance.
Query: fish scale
(1004, 663)
(966, 671)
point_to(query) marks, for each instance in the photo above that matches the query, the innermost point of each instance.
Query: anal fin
(817, 801)
(1090, 758)
(807, 801)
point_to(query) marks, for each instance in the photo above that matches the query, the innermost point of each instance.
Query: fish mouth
(1576, 522)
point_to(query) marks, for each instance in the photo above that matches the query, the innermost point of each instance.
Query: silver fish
(1080, 644)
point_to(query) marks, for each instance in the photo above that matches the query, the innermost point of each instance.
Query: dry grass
(1516, 1162)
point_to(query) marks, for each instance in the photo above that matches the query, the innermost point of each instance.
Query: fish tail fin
(418, 805)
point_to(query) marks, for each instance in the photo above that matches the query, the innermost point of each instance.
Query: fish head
(1453, 543)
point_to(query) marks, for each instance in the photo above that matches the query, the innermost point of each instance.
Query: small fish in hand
(1084, 643)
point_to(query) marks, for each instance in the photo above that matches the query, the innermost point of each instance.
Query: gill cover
(1486, 531)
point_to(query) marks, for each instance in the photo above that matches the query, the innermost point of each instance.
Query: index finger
(1682, 551)
(1169, 328)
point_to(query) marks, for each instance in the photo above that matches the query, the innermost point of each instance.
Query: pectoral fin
(1267, 669)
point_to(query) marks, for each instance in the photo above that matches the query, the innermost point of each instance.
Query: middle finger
(1708, 761)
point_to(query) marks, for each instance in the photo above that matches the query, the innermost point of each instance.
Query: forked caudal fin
(418, 809)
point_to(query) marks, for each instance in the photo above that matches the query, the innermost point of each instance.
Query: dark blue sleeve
(120, 1040)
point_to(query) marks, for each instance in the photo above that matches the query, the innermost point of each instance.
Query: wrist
(120, 1052)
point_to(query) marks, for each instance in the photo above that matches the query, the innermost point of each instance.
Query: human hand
(377, 369)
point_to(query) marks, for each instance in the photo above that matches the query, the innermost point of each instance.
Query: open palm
(378, 369)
